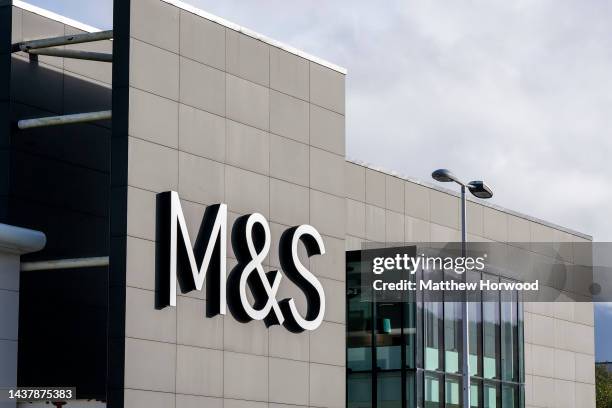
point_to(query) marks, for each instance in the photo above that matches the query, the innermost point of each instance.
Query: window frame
(418, 372)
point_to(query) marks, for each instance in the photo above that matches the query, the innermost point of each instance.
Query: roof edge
(219, 20)
(192, 9)
(54, 16)
(481, 202)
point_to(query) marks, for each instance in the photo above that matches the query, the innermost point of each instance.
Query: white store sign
(251, 240)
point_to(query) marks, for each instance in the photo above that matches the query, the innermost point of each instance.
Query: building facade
(220, 114)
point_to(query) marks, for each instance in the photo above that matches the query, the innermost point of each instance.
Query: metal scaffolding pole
(63, 40)
(65, 264)
(77, 54)
(64, 119)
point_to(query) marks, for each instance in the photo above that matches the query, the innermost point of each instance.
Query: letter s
(302, 277)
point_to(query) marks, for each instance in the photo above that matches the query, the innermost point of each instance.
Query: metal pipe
(63, 40)
(64, 119)
(64, 264)
(480, 190)
(465, 327)
(20, 240)
(76, 54)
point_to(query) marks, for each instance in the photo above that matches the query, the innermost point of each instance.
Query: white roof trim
(187, 7)
(481, 202)
(54, 16)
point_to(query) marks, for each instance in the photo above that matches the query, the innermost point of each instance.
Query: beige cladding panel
(233, 122)
(559, 343)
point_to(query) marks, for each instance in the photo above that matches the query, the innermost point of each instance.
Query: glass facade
(408, 354)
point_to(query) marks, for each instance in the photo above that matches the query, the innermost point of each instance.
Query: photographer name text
(452, 285)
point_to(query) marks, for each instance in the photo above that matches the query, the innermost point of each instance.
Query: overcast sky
(516, 93)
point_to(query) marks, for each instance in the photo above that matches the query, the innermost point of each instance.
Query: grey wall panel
(561, 332)
(244, 141)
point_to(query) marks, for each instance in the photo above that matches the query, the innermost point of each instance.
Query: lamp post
(481, 190)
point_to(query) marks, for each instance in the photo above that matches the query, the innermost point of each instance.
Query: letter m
(178, 260)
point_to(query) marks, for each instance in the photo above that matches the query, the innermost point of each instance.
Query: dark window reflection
(433, 320)
(490, 337)
(409, 354)
(359, 388)
(452, 336)
(359, 323)
(509, 336)
(475, 327)
(389, 336)
(510, 397)
(389, 389)
(411, 387)
(453, 329)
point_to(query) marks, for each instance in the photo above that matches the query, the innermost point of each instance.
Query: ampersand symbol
(251, 242)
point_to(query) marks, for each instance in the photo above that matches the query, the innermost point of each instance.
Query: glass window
(410, 332)
(433, 390)
(475, 393)
(452, 392)
(389, 389)
(452, 336)
(359, 344)
(475, 327)
(521, 342)
(510, 397)
(509, 335)
(453, 328)
(411, 389)
(359, 390)
(490, 337)
(433, 324)
(404, 355)
(491, 395)
(359, 322)
(433, 334)
(389, 336)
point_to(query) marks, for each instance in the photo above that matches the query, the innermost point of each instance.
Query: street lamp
(481, 190)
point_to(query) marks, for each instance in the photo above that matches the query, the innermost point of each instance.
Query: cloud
(517, 93)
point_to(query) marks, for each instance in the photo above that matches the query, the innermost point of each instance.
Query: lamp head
(480, 189)
(443, 175)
